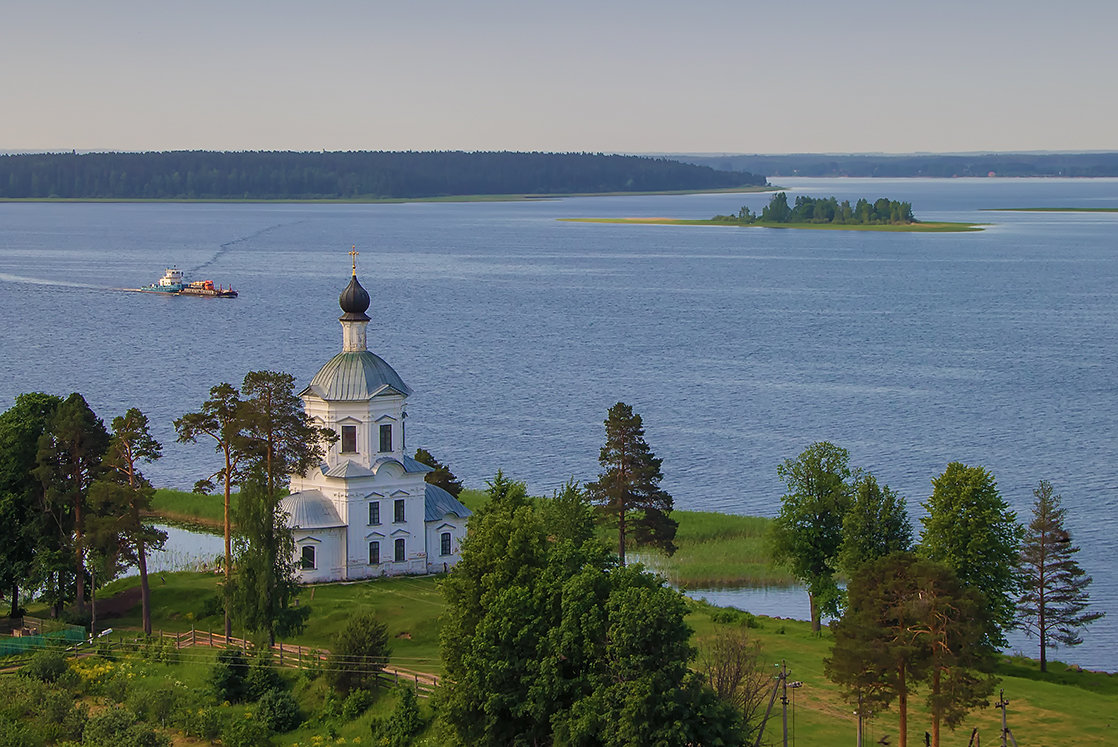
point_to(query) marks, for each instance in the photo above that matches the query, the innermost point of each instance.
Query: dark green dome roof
(354, 301)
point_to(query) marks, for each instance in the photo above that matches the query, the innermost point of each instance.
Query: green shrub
(228, 675)
(201, 723)
(16, 734)
(356, 703)
(278, 711)
(45, 665)
(360, 652)
(262, 678)
(61, 717)
(403, 724)
(114, 727)
(156, 703)
(245, 732)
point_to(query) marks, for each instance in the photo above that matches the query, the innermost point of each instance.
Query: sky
(656, 76)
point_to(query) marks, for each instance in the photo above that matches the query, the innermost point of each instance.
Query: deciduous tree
(547, 640)
(970, 529)
(807, 533)
(628, 490)
(875, 525)
(1054, 598)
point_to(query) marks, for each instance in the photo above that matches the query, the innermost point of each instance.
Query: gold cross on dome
(353, 255)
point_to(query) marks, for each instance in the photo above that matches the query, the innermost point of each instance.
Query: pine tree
(442, 476)
(220, 419)
(69, 460)
(123, 495)
(629, 489)
(1053, 605)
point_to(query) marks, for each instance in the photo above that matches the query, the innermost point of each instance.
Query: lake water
(518, 331)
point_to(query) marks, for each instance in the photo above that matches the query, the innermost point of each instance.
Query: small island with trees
(882, 214)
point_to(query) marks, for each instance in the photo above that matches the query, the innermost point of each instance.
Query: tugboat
(172, 283)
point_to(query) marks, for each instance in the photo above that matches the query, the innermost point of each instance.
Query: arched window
(401, 554)
(374, 553)
(307, 561)
(444, 544)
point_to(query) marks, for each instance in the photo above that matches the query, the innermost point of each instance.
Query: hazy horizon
(652, 77)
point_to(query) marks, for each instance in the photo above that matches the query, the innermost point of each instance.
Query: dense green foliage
(925, 164)
(441, 476)
(69, 461)
(807, 533)
(1053, 602)
(352, 175)
(549, 640)
(825, 210)
(875, 525)
(970, 529)
(628, 489)
(910, 620)
(359, 652)
(21, 493)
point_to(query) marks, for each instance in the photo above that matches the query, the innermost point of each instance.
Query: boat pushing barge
(174, 284)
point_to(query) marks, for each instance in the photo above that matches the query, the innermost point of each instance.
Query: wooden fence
(299, 657)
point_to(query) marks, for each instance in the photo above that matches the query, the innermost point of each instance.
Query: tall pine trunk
(228, 546)
(935, 714)
(902, 706)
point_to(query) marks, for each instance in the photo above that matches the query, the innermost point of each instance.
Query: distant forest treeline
(927, 165)
(346, 175)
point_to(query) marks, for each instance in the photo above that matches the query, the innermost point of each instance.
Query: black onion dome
(354, 302)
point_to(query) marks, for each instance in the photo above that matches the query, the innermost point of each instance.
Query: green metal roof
(356, 377)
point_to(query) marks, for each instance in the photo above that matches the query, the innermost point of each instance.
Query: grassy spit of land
(931, 227)
(715, 550)
(1064, 706)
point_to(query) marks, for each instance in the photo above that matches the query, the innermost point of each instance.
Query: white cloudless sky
(576, 75)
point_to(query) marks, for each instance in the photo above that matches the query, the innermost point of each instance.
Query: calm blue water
(517, 331)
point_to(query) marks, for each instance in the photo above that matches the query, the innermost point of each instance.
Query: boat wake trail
(230, 244)
(6, 278)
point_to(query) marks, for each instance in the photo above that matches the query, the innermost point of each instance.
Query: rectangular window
(374, 513)
(398, 511)
(444, 544)
(374, 553)
(349, 439)
(307, 561)
(400, 554)
(386, 437)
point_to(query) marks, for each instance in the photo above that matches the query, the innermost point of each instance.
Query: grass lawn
(930, 227)
(1064, 706)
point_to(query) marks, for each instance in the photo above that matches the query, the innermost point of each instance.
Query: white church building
(367, 511)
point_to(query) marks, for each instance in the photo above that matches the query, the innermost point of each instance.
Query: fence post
(281, 653)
